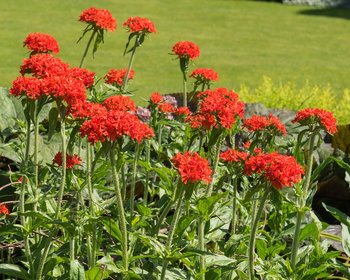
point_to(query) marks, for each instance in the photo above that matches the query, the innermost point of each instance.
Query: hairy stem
(133, 181)
(121, 213)
(131, 61)
(253, 233)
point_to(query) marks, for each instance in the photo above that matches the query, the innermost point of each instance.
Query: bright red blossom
(139, 24)
(41, 43)
(71, 160)
(270, 123)
(204, 75)
(29, 86)
(219, 107)
(280, 170)
(44, 65)
(113, 125)
(119, 103)
(185, 111)
(86, 109)
(186, 49)
(116, 77)
(4, 209)
(156, 98)
(166, 108)
(101, 18)
(84, 75)
(192, 168)
(233, 156)
(317, 116)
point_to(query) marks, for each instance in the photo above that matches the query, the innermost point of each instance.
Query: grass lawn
(241, 40)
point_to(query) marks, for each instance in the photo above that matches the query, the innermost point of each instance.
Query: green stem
(87, 48)
(148, 161)
(27, 249)
(48, 244)
(121, 213)
(253, 233)
(300, 216)
(185, 88)
(215, 165)
(172, 229)
(201, 247)
(234, 206)
(92, 243)
(131, 61)
(36, 151)
(133, 181)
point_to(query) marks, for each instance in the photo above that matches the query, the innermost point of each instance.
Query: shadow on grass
(327, 12)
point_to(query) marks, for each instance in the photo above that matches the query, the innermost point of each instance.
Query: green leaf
(183, 224)
(144, 211)
(112, 228)
(13, 270)
(261, 247)
(76, 271)
(8, 112)
(310, 230)
(53, 116)
(205, 205)
(345, 234)
(339, 215)
(96, 273)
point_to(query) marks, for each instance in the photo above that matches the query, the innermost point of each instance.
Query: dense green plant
(111, 191)
(290, 96)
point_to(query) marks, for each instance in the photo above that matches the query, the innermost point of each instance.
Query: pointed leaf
(13, 270)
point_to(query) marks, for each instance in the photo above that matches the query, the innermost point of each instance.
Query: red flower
(85, 110)
(4, 209)
(138, 24)
(232, 155)
(185, 111)
(270, 123)
(218, 107)
(41, 43)
(29, 86)
(186, 49)
(100, 18)
(65, 88)
(156, 98)
(113, 125)
(319, 117)
(192, 167)
(119, 103)
(44, 65)
(204, 75)
(280, 170)
(70, 160)
(116, 77)
(84, 75)
(166, 108)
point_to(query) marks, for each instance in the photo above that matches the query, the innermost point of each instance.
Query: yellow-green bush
(290, 96)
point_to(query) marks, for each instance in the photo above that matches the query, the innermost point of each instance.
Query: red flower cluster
(116, 77)
(270, 123)
(139, 24)
(319, 117)
(233, 156)
(119, 103)
(4, 209)
(113, 125)
(44, 65)
(86, 109)
(84, 75)
(29, 86)
(217, 107)
(70, 160)
(192, 167)
(100, 18)
(156, 98)
(184, 111)
(280, 170)
(204, 75)
(186, 49)
(41, 43)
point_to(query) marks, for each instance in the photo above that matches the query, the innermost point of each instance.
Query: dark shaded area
(338, 12)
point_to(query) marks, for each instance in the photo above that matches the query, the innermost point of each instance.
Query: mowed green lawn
(241, 40)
